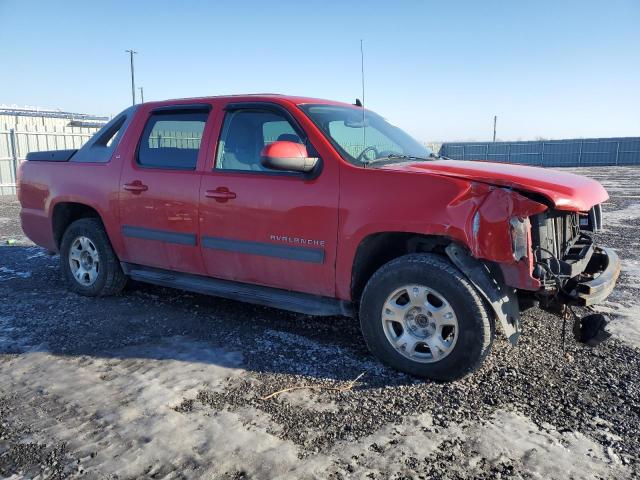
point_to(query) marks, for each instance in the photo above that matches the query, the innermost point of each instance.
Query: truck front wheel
(88, 263)
(420, 315)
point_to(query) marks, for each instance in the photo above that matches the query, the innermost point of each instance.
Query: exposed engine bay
(573, 271)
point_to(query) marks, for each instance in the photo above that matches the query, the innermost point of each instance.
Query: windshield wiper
(398, 156)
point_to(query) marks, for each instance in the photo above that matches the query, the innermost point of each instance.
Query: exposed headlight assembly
(519, 228)
(592, 220)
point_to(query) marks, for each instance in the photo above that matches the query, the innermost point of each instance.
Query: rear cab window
(101, 146)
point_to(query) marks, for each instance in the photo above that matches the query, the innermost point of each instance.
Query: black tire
(110, 278)
(476, 326)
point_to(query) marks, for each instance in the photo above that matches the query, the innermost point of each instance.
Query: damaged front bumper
(595, 272)
(597, 281)
(591, 286)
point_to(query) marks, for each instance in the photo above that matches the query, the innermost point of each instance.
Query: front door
(160, 185)
(270, 228)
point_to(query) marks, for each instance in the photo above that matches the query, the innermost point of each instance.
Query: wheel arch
(65, 213)
(379, 248)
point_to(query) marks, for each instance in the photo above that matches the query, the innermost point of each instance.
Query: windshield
(365, 140)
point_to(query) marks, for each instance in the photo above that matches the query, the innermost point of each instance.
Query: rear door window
(172, 140)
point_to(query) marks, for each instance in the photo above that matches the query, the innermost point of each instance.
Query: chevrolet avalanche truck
(323, 208)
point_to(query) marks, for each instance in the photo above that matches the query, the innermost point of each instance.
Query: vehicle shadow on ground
(145, 320)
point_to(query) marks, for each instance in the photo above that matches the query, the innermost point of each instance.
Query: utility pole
(364, 125)
(133, 81)
(141, 95)
(362, 71)
(495, 119)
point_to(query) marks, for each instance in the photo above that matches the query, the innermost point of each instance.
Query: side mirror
(287, 156)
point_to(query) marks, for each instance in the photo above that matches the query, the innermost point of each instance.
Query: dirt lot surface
(158, 383)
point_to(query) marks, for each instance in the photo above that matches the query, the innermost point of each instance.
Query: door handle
(136, 187)
(221, 194)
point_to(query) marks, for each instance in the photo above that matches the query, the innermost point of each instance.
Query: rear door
(160, 184)
(258, 226)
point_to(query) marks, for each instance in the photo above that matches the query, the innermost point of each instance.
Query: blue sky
(441, 70)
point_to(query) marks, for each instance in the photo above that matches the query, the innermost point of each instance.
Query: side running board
(244, 292)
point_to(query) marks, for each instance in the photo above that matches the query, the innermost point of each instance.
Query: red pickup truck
(323, 208)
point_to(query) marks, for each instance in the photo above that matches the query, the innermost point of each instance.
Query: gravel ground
(158, 383)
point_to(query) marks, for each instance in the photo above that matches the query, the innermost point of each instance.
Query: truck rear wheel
(87, 261)
(420, 315)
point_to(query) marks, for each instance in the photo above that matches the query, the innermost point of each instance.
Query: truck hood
(565, 190)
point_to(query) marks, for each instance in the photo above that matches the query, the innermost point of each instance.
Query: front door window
(245, 133)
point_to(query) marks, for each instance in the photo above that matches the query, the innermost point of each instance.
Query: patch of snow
(623, 306)
(116, 413)
(6, 328)
(9, 273)
(632, 269)
(507, 437)
(618, 218)
(38, 253)
(542, 453)
(307, 400)
(12, 338)
(625, 321)
(385, 452)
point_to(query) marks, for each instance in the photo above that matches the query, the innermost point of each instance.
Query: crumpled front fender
(490, 236)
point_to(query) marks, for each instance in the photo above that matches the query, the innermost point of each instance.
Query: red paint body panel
(43, 185)
(566, 190)
(492, 239)
(467, 202)
(287, 207)
(375, 200)
(170, 203)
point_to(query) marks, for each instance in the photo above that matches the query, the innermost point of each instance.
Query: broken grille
(553, 233)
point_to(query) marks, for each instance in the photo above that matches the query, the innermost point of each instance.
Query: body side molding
(159, 235)
(302, 254)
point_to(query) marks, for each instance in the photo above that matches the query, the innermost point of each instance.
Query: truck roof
(293, 99)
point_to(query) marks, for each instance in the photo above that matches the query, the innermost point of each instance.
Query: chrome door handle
(136, 187)
(221, 194)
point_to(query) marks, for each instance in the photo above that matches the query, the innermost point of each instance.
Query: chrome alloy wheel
(419, 323)
(84, 261)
